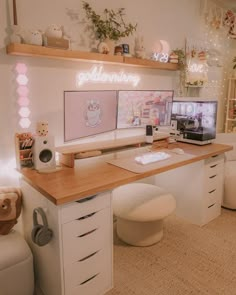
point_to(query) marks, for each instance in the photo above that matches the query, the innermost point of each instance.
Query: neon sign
(196, 68)
(97, 75)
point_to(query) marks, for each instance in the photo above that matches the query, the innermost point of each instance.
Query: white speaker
(44, 152)
(149, 134)
(173, 124)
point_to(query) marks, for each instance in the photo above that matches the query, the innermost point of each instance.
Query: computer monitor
(195, 120)
(89, 113)
(138, 108)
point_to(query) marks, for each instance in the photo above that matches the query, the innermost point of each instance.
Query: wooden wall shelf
(55, 53)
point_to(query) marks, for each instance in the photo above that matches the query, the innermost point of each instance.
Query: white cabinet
(213, 184)
(78, 260)
(198, 189)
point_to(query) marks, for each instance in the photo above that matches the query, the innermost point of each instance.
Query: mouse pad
(129, 163)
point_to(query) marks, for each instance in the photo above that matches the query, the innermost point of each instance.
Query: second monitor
(138, 108)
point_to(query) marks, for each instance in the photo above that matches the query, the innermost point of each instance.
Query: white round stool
(140, 209)
(16, 265)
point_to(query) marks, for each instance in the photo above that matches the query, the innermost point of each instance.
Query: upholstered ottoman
(140, 209)
(16, 265)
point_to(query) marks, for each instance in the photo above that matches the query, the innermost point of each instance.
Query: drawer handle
(213, 166)
(215, 156)
(212, 191)
(86, 281)
(211, 205)
(87, 257)
(86, 199)
(88, 233)
(86, 216)
(213, 176)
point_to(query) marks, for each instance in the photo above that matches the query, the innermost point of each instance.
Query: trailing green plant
(110, 25)
(181, 56)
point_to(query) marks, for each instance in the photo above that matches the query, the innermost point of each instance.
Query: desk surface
(95, 175)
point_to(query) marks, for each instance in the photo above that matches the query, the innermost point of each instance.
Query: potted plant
(180, 54)
(109, 26)
(181, 57)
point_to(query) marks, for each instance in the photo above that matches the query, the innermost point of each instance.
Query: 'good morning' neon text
(97, 75)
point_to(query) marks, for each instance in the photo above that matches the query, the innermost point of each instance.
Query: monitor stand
(158, 135)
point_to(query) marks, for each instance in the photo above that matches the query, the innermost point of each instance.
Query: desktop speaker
(149, 134)
(173, 124)
(44, 153)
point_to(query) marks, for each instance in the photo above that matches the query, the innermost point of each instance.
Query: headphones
(41, 235)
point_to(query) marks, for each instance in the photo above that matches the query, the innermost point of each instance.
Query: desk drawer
(214, 169)
(213, 197)
(211, 212)
(215, 159)
(85, 206)
(80, 271)
(95, 285)
(85, 224)
(81, 240)
(212, 182)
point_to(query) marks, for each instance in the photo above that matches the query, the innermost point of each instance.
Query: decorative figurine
(54, 31)
(103, 48)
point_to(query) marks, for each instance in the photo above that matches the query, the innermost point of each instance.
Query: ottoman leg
(139, 233)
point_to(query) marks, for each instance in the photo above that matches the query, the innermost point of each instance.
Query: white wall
(157, 19)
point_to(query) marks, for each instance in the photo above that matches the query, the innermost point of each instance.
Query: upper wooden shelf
(55, 53)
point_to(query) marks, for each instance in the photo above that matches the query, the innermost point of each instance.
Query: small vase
(111, 45)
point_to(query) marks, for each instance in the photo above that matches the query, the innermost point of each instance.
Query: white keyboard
(151, 157)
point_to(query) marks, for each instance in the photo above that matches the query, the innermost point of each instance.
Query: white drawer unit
(213, 184)
(85, 246)
(78, 261)
(198, 189)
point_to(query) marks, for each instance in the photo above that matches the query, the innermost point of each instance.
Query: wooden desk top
(93, 175)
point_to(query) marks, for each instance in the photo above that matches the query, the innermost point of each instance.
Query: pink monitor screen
(89, 113)
(138, 108)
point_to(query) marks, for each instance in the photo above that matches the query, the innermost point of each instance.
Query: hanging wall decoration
(230, 23)
(196, 64)
(219, 18)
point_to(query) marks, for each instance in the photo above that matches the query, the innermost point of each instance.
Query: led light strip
(23, 91)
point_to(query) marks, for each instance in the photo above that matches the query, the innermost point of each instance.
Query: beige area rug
(188, 260)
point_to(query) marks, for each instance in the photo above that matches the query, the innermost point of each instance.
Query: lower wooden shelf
(68, 154)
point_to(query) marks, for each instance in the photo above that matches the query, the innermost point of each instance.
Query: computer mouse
(178, 151)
